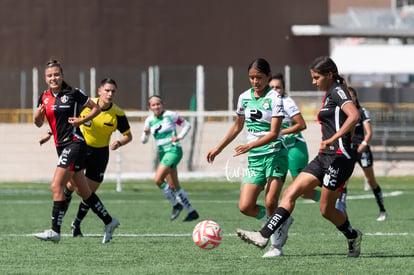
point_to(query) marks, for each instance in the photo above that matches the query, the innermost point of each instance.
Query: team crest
(266, 104)
(64, 99)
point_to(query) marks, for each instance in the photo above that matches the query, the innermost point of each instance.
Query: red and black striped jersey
(59, 108)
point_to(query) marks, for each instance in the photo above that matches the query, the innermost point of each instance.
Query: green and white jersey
(164, 128)
(258, 115)
(290, 109)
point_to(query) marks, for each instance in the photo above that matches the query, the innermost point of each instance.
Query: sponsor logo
(64, 99)
(342, 94)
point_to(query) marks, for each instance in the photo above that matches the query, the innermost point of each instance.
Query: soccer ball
(207, 234)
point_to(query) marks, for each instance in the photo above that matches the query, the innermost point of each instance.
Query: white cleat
(273, 252)
(252, 237)
(382, 216)
(281, 234)
(109, 230)
(48, 235)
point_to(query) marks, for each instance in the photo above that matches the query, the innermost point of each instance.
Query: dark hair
(324, 65)
(155, 96)
(54, 63)
(352, 90)
(108, 80)
(261, 65)
(279, 76)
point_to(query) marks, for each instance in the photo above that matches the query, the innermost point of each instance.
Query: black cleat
(176, 211)
(76, 231)
(191, 216)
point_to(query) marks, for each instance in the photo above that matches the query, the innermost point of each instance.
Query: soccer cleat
(109, 230)
(382, 216)
(76, 231)
(281, 234)
(252, 237)
(176, 211)
(48, 235)
(191, 216)
(355, 245)
(273, 252)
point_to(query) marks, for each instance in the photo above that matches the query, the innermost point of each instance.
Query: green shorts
(262, 167)
(298, 158)
(171, 158)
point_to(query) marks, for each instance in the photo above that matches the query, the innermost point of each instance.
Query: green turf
(148, 243)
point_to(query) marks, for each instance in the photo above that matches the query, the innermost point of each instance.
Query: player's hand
(44, 138)
(75, 121)
(241, 149)
(211, 155)
(41, 109)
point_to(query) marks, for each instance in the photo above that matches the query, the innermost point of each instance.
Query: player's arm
(94, 111)
(367, 137)
(298, 126)
(273, 134)
(45, 138)
(352, 118)
(39, 116)
(124, 128)
(145, 132)
(185, 129)
(126, 138)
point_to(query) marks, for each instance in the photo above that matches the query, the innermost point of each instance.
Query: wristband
(49, 133)
(364, 143)
(119, 143)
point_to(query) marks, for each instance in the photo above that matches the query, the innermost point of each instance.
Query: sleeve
(341, 96)
(40, 99)
(81, 97)
(290, 107)
(144, 136)
(123, 125)
(186, 127)
(183, 123)
(277, 106)
(365, 115)
(241, 107)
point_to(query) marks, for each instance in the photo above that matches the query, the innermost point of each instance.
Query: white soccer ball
(207, 234)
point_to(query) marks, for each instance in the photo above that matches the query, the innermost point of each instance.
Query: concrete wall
(22, 159)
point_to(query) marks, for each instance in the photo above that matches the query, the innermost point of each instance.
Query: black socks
(278, 218)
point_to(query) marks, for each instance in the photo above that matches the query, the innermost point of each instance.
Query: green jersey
(163, 128)
(258, 114)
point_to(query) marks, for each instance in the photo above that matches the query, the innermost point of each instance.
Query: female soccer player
(61, 105)
(162, 125)
(261, 109)
(333, 165)
(97, 133)
(360, 139)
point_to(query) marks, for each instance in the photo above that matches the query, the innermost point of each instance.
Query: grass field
(148, 243)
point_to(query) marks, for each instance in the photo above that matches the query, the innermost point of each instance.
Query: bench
(393, 142)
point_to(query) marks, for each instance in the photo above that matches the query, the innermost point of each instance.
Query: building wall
(123, 38)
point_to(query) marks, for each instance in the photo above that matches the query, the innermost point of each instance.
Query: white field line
(162, 235)
(354, 197)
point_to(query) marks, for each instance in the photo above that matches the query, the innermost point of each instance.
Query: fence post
(230, 96)
(92, 73)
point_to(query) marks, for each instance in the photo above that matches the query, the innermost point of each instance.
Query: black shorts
(96, 162)
(332, 171)
(72, 156)
(365, 158)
